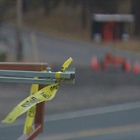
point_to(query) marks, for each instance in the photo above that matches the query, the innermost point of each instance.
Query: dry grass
(66, 22)
(131, 45)
(61, 24)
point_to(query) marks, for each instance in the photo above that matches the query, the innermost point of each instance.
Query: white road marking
(81, 113)
(93, 132)
(92, 112)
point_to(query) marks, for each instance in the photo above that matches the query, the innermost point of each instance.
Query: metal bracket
(48, 77)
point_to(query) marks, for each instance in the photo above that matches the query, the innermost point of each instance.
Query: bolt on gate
(16, 72)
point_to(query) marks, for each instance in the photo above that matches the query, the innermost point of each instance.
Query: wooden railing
(40, 108)
(25, 73)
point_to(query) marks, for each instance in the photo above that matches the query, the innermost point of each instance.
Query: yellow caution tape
(66, 64)
(45, 94)
(57, 75)
(31, 112)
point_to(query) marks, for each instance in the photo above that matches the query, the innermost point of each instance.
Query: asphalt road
(111, 122)
(42, 47)
(91, 90)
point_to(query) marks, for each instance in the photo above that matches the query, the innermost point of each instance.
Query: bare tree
(19, 31)
(84, 14)
(136, 12)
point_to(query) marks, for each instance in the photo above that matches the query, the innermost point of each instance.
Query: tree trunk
(46, 7)
(84, 14)
(136, 12)
(24, 6)
(19, 31)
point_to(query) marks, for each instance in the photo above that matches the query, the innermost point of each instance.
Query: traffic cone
(136, 68)
(127, 66)
(94, 63)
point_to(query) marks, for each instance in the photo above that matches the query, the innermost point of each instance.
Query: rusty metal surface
(22, 66)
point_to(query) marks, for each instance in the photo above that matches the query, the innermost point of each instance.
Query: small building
(111, 27)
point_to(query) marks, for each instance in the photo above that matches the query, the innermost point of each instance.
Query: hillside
(66, 22)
